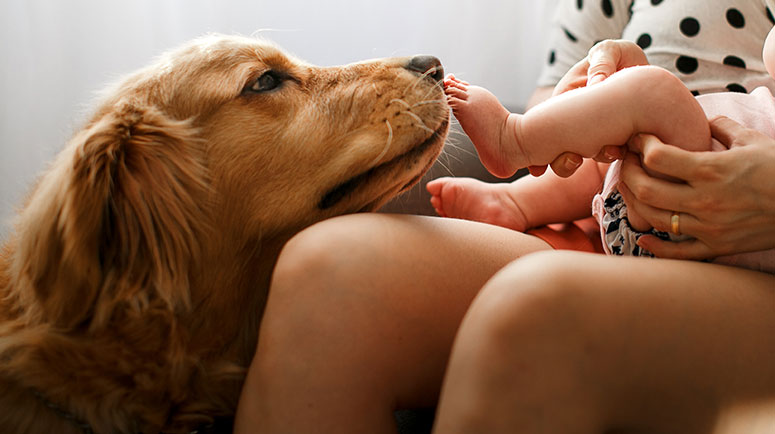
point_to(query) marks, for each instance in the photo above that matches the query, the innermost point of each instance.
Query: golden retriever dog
(132, 288)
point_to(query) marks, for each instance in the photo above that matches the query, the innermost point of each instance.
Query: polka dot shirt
(712, 45)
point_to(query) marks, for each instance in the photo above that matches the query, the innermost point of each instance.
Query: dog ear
(117, 220)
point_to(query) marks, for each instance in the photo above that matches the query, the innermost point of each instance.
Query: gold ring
(675, 223)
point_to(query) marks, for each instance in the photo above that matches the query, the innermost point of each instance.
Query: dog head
(225, 134)
(221, 144)
(289, 143)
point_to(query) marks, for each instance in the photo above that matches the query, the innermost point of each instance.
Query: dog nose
(426, 65)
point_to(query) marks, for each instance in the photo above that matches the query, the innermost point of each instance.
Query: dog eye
(269, 80)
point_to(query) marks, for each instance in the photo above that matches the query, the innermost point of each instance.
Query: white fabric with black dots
(712, 45)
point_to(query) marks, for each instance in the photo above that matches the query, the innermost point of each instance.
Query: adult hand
(727, 203)
(566, 164)
(603, 60)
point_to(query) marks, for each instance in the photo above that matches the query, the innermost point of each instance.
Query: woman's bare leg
(565, 342)
(361, 317)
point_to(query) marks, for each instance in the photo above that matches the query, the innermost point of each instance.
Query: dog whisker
(424, 127)
(465, 151)
(453, 145)
(432, 101)
(445, 167)
(425, 74)
(387, 145)
(452, 141)
(450, 148)
(413, 84)
(438, 85)
(449, 156)
(421, 78)
(414, 116)
(418, 119)
(400, 101)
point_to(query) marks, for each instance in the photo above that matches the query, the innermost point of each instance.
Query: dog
(132, 287)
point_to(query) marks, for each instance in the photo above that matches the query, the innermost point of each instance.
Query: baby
(637, 99)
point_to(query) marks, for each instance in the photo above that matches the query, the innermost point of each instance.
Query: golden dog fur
(132, 288)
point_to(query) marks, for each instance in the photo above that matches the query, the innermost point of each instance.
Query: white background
(56, 54)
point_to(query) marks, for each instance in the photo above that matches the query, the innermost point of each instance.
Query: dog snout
(426, 65)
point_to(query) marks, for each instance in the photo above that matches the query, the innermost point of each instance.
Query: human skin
(363, 311)
(637, 345)
(604, 59)
(583, 120)
(569, 342)
(644, 99)
(523, 204)
(716, 229)
(726, 200)
(529, 202)
(360, 320)
(403, 283)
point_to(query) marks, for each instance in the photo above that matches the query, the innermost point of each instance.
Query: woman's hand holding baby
(727, 203)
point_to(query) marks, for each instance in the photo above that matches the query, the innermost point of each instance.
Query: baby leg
(488, 124)
(528, 202)
(643, 99)
(471, 199)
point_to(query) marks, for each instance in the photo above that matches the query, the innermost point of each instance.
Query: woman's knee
(541, 287)
(338, 265)
(539, 310)
(315, 256)
(524, 341)
(308, 283)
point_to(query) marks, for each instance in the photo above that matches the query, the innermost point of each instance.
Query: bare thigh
(361, 317)
(604, 343)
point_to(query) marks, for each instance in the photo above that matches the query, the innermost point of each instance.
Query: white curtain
(56, 54)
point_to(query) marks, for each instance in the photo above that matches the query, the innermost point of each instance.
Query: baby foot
(471, 199)
(488, 124)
